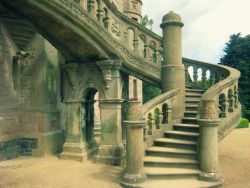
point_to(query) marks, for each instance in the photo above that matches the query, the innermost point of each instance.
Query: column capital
(171, 19)
(134, 124)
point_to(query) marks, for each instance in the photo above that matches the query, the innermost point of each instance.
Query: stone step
(72, 156)
(189, 120)
(182, 135)
(175, 143)
(186, 127)
(181, 183)
(191, 94)
(190, 113)
(171, 152)
(166, 162)
(194, 90)
(171, 173)
(191, 101)
(192, 107)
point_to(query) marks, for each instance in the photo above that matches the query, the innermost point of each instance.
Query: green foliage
(244, 123)
(149, 91)
(237, 55)
(146, 22)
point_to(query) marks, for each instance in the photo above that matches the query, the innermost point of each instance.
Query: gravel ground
(50, 172)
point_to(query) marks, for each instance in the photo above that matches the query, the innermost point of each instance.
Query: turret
(132, 9)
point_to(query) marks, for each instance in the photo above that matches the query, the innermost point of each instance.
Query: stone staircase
(174, 156)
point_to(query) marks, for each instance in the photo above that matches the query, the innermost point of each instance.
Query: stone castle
(71, 83)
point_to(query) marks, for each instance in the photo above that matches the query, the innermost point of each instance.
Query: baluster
(204, 77)
(145, 132)
(151, 123)
(186, 75)
(195, 75)
(160, 119)
(231, 102)
(223, 108)
(147, 52)
(100, 12)
(136, 42)
(213, 78)
(91, 7)
(236, 98)
(106, 19)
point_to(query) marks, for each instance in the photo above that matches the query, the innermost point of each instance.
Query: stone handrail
(158, 112)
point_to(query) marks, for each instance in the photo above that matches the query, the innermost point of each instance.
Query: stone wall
(17, 147)
(29, 115)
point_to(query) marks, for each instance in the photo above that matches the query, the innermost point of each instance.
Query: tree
(146, 22)
(237, 55)
(149, 91)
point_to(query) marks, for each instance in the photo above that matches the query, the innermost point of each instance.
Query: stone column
(134, 173)
(172, 69)
(75, 146)
(208, 142)
(111, 150)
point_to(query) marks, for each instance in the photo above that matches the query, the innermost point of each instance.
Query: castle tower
(132, 9)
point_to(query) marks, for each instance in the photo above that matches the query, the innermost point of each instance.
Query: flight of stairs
(174, 156)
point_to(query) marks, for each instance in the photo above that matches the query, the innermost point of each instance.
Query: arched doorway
(91, 118)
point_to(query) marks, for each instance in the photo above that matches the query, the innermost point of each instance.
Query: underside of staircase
(172, 160)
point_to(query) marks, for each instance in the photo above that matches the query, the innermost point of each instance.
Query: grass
(244, 123)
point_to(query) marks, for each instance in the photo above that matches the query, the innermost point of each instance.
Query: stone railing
(117, 36)
(203, 75)
(218, 113)
(158, 115)
(131, 33)
(137, 46)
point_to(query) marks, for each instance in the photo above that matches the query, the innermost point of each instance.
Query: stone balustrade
(218, 113)
(136, 37)
(140, 46)
(202, 75)
(158, 115)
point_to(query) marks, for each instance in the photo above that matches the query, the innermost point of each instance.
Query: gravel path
(50, 172)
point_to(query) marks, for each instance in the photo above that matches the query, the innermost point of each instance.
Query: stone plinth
(75, 146)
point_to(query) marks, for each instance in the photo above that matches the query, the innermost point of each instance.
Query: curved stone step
(191, 107)
(193, 94)
(152, 161)
(175, 143)
(170, 173)
(180, 183)
(186, 127)
(190, 113)
(182, 135)
(189, 120)
(195, 90)
(171, 152)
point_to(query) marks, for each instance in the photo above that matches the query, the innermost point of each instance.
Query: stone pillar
(111, 150)
(75, 146)
(172, 69)
(208, 142)
(134, 173)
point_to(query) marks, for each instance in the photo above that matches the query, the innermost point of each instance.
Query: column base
(133, 180)
(74, 151)
(109, 154)
(211, 177)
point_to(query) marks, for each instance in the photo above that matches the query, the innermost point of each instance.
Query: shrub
(244, 123)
